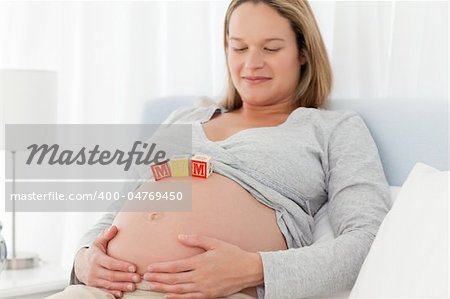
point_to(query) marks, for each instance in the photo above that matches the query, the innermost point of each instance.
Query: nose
(254, 60)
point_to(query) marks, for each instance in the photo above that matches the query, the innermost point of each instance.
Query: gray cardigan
(313, 157)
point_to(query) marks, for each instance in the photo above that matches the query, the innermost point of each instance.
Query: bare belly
(221, 209)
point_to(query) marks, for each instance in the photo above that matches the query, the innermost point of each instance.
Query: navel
(153, 216)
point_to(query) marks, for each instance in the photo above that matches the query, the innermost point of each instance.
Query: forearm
(317, 270)
(74, 279)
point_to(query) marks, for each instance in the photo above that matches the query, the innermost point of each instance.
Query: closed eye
(266, 49)
(239, 49)
(272, 50)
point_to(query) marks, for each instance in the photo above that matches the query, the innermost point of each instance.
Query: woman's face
(262, 55)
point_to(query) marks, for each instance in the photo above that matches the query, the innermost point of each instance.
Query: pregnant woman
(277, 159)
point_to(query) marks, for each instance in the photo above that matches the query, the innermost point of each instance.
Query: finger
(118, 276)
(207, 243)
(170, 278)
(115, 264)
(115, 293)
(107, 235)
(116, 286)
(185, 296)
(176, 289)
(174, 266)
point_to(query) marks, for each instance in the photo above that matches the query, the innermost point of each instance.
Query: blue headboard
(405, 131)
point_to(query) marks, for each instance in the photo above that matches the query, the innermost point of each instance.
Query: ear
(302, 59)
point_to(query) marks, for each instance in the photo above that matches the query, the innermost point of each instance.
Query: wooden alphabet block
(201, 166)
(161, 170)
(179, 166)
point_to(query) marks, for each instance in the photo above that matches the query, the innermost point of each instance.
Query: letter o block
(201, 166)
(160, 170)
(179, 166)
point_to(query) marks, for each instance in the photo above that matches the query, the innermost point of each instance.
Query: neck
(259, 111)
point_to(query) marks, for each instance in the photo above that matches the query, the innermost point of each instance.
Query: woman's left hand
(223, 269)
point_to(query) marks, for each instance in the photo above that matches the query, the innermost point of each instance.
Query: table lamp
(27, 97)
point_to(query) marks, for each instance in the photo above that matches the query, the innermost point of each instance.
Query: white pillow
(408, 258)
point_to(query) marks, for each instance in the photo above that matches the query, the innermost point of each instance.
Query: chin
(257, 102)
(255, 97)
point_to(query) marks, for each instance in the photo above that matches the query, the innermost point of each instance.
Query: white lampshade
(27, 97)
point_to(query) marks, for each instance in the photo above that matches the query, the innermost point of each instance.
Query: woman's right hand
(95, 268)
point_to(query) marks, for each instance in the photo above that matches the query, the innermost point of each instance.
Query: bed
(409, 255)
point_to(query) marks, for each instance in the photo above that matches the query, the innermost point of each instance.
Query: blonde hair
(316, 76)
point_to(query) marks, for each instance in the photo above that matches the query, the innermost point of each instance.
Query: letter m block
(160, 170)
(201, 166)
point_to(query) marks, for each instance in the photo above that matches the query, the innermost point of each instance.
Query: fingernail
(130, 287)
(182, 237)
(135, 278)
(146, 276)
(149, 268)
(131, 269)
(149, 286)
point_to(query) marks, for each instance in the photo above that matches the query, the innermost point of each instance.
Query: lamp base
(22, 260)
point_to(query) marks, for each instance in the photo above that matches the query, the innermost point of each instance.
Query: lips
(256, 79)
